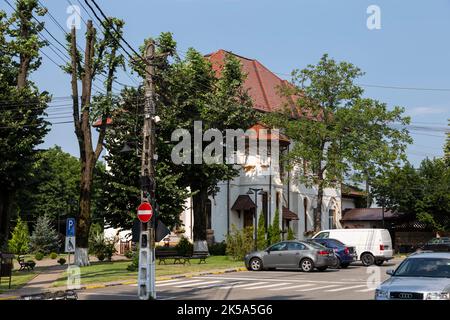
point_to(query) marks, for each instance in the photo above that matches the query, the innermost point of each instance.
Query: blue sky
(412, 48)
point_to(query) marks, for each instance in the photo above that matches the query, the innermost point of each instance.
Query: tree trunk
(6, 199)
(199, 208)
(318, 211)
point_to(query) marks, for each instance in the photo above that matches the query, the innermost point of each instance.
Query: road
(354, 283)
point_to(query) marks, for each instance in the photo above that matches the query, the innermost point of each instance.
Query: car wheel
(255, 264)
(379, 262)
(321, 269)
(367, 259)
(337, 263)
(344, 265)
(307, 265)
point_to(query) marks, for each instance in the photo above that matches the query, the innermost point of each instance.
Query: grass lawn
(19, 278)
(99, 272)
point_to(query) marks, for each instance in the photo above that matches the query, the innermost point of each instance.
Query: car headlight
(438, 296)
(381, 294)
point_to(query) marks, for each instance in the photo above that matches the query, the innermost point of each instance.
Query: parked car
(291, 254)
(436, 245)
(344, 254)
(371, 245)
(421, 276)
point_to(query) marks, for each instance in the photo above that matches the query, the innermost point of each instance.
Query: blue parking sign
(70, 227)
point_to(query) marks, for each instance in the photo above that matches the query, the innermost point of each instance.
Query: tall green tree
(20, 240)
(422, 193)
(22, 104)
(447, 146)
(44, 239)
(335, 131)
(101, 56)
(189, 90)
(274, 229)
(261, 240)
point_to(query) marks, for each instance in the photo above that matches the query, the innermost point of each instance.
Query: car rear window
(316, 245)
(336, 242)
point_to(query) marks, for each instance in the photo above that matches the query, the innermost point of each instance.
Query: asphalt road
(354, 283)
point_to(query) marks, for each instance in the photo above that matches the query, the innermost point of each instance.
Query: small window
(322, 235)
(295, 246)
(279, 247)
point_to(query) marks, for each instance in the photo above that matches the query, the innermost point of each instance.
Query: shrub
(134, 265)
(218, 249)
(102, 248)
(100, 256)
(20, 240)
(61, 261)
(239, 242)
(290, 235)
(53, 255)
(129, 254)
(39, 256)
(261, 235)
(45, 238)
(184, 246)
(274, 229)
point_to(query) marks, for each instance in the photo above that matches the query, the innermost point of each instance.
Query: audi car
(421, 276)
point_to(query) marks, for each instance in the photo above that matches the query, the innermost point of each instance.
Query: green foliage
(134, 265)
(44, 239)
(53, 255)
(335, 130)
(261, 233)
(20, 241)
(290, 235)
(422, 193)
(184, 246)
(129, 254)
(239, 242)
(22, 122)
(39, 256)
(218, 249)
(61, 261)
(101, 247)
(274, 229)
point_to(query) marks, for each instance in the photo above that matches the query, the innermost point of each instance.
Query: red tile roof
(262, 84)
(243, 202)
(289, 215)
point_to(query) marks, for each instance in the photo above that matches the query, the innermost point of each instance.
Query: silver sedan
(421, 276)
(291, 254)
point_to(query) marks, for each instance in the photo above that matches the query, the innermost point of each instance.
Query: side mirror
(267, 250)
(390, 272)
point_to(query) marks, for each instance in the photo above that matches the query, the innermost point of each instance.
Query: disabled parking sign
(70, 235)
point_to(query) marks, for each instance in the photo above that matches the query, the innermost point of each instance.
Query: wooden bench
(200, 255)
(25, 265)
(163, 255)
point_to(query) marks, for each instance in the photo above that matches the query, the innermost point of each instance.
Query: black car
(437, 245)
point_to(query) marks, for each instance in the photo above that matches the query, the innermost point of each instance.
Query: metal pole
(256, 220)
(146, 274)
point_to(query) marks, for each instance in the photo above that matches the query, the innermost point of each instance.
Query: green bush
(53, 255)
(184, 246)
(239, 242)
(290, 235)
(134, 265)
(39, 256)
(102, 248)
(274, 229)
(261, 235)
(20, 240)
(61, 261)
(218, 249)
(129, 254)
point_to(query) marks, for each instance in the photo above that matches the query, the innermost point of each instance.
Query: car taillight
(323, 253)
(346, 251)
(381, 247)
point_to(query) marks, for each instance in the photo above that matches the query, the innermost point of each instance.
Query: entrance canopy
(243, 202)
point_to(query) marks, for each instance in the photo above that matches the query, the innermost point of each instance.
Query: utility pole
(146, 275)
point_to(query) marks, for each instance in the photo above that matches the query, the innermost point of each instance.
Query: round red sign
(145, 212)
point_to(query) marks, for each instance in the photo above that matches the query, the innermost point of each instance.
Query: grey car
(421, 276)
(291, 254)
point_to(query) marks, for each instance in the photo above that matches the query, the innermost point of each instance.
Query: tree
(100, 56)
(335, 131)
(189, 91)
(290, 235)
(275, 231)
(447, 146)
(422, 194)
(44, 239)
(261, 233)
(20, 240)
(22, 126)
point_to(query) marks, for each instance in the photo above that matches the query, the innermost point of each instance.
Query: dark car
(437, 245)
(291, 254)
(345, 254)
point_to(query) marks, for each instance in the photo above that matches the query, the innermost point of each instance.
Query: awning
(367, 214)
(243, 202)
(289, 215)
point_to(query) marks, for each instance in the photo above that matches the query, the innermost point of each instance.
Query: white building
(296, 203)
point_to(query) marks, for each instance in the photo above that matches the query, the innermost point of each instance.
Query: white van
(372, 245)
